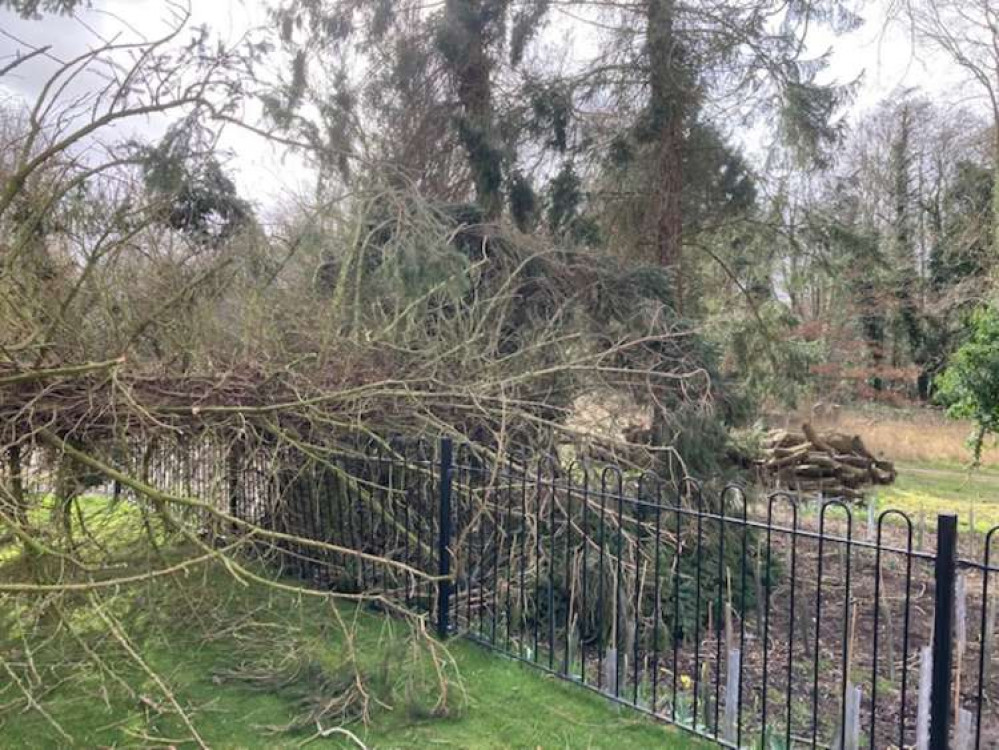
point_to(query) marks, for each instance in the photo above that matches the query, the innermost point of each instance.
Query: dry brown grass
(907, 435)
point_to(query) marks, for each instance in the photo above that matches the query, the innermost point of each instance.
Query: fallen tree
(130, 334)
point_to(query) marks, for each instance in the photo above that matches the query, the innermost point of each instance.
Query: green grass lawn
(245, 661)
(945, 488)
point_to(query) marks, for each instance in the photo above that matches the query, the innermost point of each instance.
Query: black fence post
(945, 575)
(444, 538)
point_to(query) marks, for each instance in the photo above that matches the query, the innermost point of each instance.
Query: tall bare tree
(967, 32)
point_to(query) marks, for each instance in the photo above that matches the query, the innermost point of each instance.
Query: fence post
(444, 538)
(945, 578)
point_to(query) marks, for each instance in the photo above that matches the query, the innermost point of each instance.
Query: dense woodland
(619, 227)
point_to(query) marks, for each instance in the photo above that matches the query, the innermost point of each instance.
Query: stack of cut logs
(832, 463)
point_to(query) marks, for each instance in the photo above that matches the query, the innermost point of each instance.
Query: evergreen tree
(963, 249)
(432, 81)
(693, 61)
(195, 195)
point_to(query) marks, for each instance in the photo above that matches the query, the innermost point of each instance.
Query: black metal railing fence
(756, 622)
(775, 623)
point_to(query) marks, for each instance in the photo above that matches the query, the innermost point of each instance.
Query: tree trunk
(995, 189)
(906, 279)
(670, 95)
(472, 69)
(872, 323)
(669, 208)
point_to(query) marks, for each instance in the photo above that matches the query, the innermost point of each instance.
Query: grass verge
(939, 488)
(253, 667)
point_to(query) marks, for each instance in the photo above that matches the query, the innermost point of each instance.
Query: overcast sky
(262, 172)
(885, 59)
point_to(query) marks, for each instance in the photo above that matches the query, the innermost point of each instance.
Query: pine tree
(691, 62)
(432, 83)
(468, 29)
